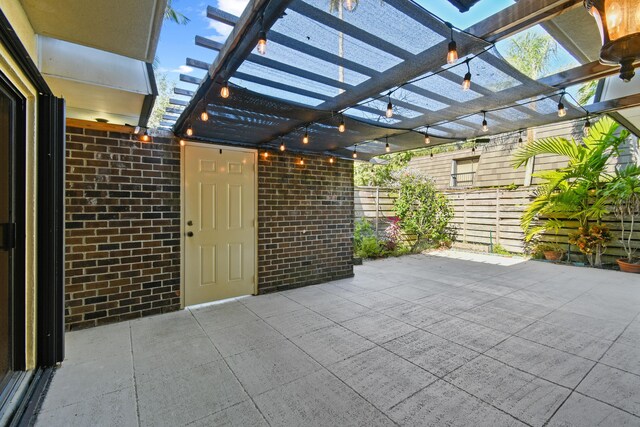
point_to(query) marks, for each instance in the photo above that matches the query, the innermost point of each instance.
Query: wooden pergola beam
(581, 74)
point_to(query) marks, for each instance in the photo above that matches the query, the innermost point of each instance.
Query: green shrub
(370, 247)
(500, 250)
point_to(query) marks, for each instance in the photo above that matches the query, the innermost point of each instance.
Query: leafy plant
(572, 191)
(591, 241)
(393, 233)
(369, 174)
(541, 247)
(623, 192)
(498, 249)
(423, 210)
(370, 247)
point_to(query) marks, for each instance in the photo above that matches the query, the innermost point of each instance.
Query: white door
(219, 223)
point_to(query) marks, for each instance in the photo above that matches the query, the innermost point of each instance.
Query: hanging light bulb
(331, 160)
(282, 147)
(387, 148)
(485, 126)
(562, 111)
(183, 143)
(473, 149)
(520, 138)
(224, 90)
(431, 153)
(301, 162)
(587, 127)
(355, 152)
(265, 154)
(262, 43)
(204, 116)
(189, 131)
(427, 139)
(305, 138)
(466, 83)
(145, 137)
(452, 55)
(349, 5)
(341, 126)
(389, 113)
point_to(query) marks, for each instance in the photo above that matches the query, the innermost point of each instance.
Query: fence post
(464, 218)
(498, 215)
(377, 208)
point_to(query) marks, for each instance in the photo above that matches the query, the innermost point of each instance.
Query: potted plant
(623, 192)
(550, 251)
(592, 241)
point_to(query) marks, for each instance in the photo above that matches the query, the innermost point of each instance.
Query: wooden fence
(482, 217)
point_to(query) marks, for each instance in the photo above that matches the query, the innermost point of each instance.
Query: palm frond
(551, 145)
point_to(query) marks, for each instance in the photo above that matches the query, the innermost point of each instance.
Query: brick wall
(122, 227)
(305, 221)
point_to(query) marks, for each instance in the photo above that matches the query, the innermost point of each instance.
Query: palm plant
(623, 192)
(571, 191)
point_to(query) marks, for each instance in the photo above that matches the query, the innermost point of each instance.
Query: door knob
(190, 234)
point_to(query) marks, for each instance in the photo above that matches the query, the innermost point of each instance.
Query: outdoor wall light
(485, 125)
(587, 127)
(389, 113)
(183, 142)
(332, 159)
(301, 162)
(224, 90)
(466, 83)
(265, 154)
(452, 54)
(427, 139)
(619, 25)
(262, 43)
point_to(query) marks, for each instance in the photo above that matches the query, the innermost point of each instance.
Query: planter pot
(553, 255)
(628, 267)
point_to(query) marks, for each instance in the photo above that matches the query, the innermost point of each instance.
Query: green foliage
(380, 175)
(591, 241)
(500, 250)
(172, 15)
(586, 92)
(623, 192)
(165, 91)
(531, 53)
(574, 190)
(370, 247)
(541, 247)
(423, 210)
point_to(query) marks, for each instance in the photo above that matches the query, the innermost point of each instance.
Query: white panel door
(219, 218)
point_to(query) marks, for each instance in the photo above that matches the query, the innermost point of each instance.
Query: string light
(265, 154)
(431, 153)
(341, 126)
(301, 162)
(473, 148)
(204, 116)
(427, 139)
(349, 5)
(282, 147)
(189, 131)
(145, 137)
(331, 160)
(587, 127)
(520, 138)
(485, 126)
(355, 151)
(305, 138)
(262, 43)
(386, 147)
(183, 142)
(466, 83)
(224, 90)
(562, 111)
(452, 55)
(389, 109)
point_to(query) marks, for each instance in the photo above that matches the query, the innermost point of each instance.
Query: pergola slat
(184, 92)
(180, 102)
(190, 79)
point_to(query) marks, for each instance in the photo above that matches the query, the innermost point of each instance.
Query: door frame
(183, 234)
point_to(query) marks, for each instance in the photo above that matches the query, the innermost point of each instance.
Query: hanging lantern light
(305, 138)
(387, 148)
(341, 126)
(183, 143)
(562, 111)
(301, 162)
(262, 43)
(355, 152)
(349, 5)
(619, 25)
(204, 116)
(224, 90)
(332, 159)
(466, 83)
(189, 131)
(265, 154)
(282, 147)
(427, 138)
(145, 137)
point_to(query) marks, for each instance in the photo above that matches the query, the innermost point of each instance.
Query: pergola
(326, 67)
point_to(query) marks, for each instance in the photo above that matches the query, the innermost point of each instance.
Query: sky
(177, 41)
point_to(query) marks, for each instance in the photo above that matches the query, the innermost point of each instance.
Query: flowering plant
(591, 241)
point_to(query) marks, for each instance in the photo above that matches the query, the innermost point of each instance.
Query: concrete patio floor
(418, 340)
